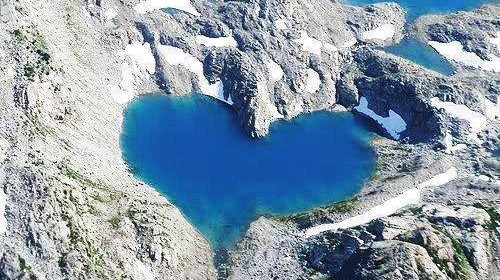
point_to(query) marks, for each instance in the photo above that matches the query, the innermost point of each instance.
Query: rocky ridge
(76, 212)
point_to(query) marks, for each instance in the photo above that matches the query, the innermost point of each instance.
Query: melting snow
(313, 81)
(275, 71)
(151, 5)
(455, 51)
(383, 32)
(476, 120)
(393, 124)
(389, 207)
(176, 56)
(216, 42)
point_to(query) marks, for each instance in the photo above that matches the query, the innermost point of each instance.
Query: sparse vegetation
(494, 216)
(343, 206)
(115, 221)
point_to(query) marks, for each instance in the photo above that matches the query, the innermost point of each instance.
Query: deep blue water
(414, 50)
(194, 151)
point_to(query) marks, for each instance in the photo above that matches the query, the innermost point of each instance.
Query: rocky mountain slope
(73, 210)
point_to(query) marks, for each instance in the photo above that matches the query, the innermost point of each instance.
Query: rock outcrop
(71, 209)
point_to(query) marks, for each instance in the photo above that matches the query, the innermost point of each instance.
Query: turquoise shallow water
(417, 8)
(419, 52)
(193, 150)
(422, 54)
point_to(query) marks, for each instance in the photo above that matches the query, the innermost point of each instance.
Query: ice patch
(275, 71)
(142, 57)
(455, 51)
(110, 14)
(151, 5)
(383, 32)
(219, 42)
(313, 82)
(476, 120)
(389, 207)
(280, 24)
(393, 124)
(176, 56)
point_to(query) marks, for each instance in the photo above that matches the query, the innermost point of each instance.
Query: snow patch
(476, 120)
(281, 24)
(216, 42)
(383, 32)
(393, 124)
(389, 207)
(450, 148)
(176, 56)
(309, 44)
(349, 43)
(4, 146)
(313, 82)
(110, 14)
(496, 41)
(455, 51)
(125, 91)
(3, 202)
(491, 110)
(143, 64)
(275, 71)
(142, 56)
(142, 271)
(329, 47)
(151, 5)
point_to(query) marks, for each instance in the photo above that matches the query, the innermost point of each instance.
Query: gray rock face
(73, 210)
(305, 43)
(433, 241)
(473, 29)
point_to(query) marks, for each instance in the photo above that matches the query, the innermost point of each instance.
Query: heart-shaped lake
(194, 151)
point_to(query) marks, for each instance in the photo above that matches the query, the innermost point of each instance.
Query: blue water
(194, 151)
(419, 52)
